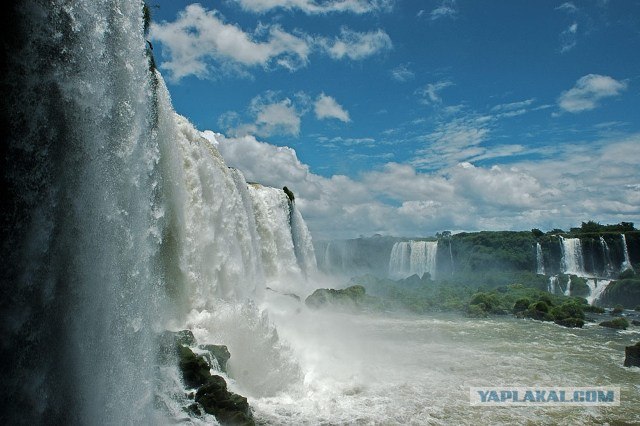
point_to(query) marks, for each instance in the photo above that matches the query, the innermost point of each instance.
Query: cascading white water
(399, 259)
(303, 245)
(272, 210)
(539, 260)
(606, 257)
(596, 287)
(553, 282)
(627, 262)
(567, 290)
(413, 257)
(572, 258)
(87, 289)
(126, 222)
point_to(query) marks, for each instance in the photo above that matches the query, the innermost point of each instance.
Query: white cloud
(277, 118)
(568, 38)
(327, 107)
(199, 37)
(271, 116)
(317, 7)
(568, 7)
(447, 9)
(577, 183)
(355, 45)
(430, 94)
(402, 73)
(588, 91)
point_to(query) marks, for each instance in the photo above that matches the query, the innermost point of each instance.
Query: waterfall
(451, 257)
(627, 262)
(413, 257)
(597, 287)
(125, 221)
(567, 290)
(572, 259)
(399, 260)
(606, 257)
(553, 283)
(539, 260)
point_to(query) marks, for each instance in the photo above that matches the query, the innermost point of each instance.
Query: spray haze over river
(121, 221)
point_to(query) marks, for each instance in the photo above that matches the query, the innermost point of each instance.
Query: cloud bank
(578, 183)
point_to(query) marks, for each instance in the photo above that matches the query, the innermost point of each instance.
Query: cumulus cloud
(312, 7)
(588, 91)
(430, 94)
(271, 115)
(446, 9)
(356, 45)
(402, 73)
(200, 43)
(327, 107)
(578, 183)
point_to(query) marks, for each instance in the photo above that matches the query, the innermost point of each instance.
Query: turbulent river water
(371, 369)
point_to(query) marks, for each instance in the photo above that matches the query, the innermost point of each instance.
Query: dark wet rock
(194, 409)
(169, 341)
(632, 356)
(571, 322)
(220, 353)
(635, 322)
(229, 408)
(617, 323)
(212, 395)
(195, 369)
(349, 297)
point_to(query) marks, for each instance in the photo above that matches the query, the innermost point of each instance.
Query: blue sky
(410, 117)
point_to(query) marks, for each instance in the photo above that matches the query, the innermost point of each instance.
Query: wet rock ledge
(211, 394)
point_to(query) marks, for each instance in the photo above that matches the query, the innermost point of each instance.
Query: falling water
(553, 282)
(627, 262)
(572, 258)
(539, 260)
(399, 260)
(596, 287)
(413, 257)
(124, 221)
(606, 256)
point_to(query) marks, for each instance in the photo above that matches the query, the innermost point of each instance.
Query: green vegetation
(592, 227)
(627, 274)
(625, 292)
(353, 297)
(530, 303)
(617, 310)
(579, 286)
(501, 251)
(617, 323)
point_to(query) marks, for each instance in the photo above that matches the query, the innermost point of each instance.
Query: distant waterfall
(539, 260)
(553, 282)
(399, 260)
(572, 258)
(413, 257)
(627, 262)
(597, 287)
(606, 257)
